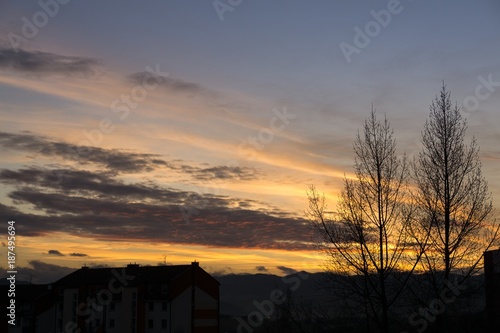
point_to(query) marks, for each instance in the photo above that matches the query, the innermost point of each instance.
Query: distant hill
(5, 282)
(239, 291)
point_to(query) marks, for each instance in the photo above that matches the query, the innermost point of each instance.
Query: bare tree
(367, 241)
(452, 196)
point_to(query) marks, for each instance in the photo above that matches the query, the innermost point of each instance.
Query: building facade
(492, 285)
(132, 299)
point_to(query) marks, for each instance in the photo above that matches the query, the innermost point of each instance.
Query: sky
(172, 131)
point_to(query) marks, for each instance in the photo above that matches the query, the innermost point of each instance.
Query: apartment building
(134, 299)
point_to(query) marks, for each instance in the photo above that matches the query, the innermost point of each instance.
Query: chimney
(195, 263)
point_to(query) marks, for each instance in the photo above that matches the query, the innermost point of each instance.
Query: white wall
(206, 302)
(181, 312)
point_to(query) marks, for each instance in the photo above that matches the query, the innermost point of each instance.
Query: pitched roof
(102, 276)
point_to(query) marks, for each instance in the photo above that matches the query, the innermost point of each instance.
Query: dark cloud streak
(171, 84)
(116, 160)
(44, 63)
(112, 159)
(55, 253)
(99, 205)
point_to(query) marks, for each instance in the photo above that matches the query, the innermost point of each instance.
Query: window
(164, 306)
(150, 323)
(111, 323)
(112, 306)
(164, 323)
(164, 288)
(151, 306)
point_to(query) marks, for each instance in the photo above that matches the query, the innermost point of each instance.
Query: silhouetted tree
(367, 240)
(452, 196)
(452, 192)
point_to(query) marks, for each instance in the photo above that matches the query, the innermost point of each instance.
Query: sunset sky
(192, 129)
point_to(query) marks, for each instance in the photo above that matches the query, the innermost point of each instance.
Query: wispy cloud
(112, 159)
(286, 270)
(222, 173)
(45, 63)
(221, 272)
(172, 84)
